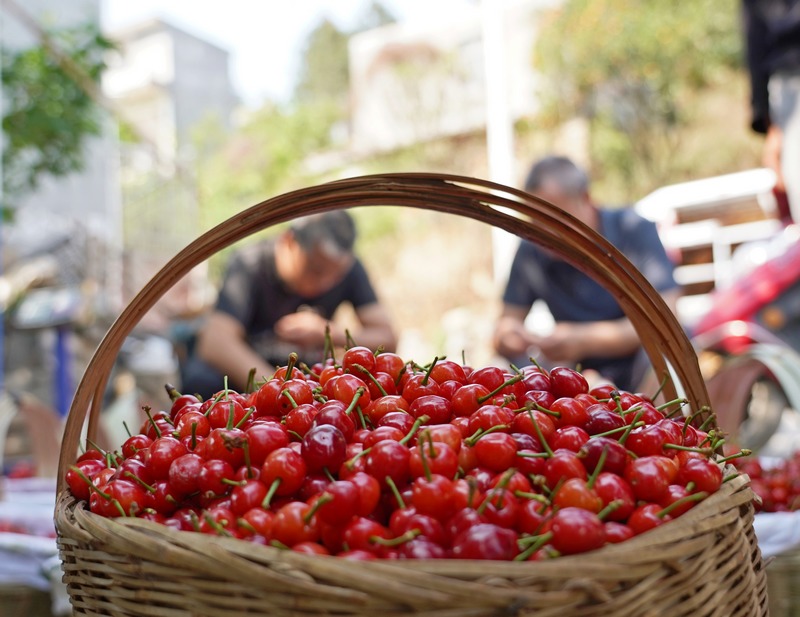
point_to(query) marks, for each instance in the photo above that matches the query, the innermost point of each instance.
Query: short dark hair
(561, 170)
(335, 229)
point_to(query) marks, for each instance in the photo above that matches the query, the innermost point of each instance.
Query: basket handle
(512, 210)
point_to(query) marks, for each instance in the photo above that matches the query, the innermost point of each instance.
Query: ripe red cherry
(358, 359)
(576, 530)
(286, 468)
(436, 408)
(572, 412)
(324, 447)
(496, 451)
(263, 438)
(567, 382)
(648, 478)
(390, 363)
(380, 406)
(486, 541)
(447, 370)
(389, 459)
(467, 399)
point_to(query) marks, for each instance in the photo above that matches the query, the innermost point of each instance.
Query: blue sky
(264, 37)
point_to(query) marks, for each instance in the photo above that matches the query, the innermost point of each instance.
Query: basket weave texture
(705, 563)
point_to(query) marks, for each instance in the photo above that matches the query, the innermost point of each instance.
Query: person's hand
(305, 329)
(512, 339)
(771, 155)
(564, 343)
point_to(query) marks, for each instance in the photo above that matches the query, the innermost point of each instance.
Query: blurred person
(277, 297)
(772, 41)
(591, 331)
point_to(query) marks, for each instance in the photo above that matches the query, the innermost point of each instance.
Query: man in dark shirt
(772, 38)
(591, 329)
(278, 296)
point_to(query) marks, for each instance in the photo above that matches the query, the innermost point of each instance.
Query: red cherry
(576, 530)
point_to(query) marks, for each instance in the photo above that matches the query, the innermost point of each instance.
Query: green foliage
(262, 159)
(324, 75)
(631, 67)
(48, 115)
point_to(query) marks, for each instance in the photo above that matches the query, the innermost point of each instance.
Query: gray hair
(561, 171)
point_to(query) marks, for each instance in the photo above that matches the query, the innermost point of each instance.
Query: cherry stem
(531, 544)
(414, 428)
(471, 441)
(216, 526)
(245, 417)
(89, 482)
(194, 435)
(323, 499)
(740, 454)
(624, 437)
(247, 463)
(540, 435)
(290, 366)
(509, 382)
(359, 391)
(147, 411)
(400, 374)
(424, 460)
(500, 486)
(250, 385)
(661, 385)
(610, 507)
(619, 429)
(350, 464)
(288, 395)
(349, 341)
(127, 430)
(328, 349)
(730, 477)
(680, 402)
(395, 492)
(532, 497)
(428, 372)
(140, 482)
(328, 474)
(534, 454)
(295, 434)
(372, 378)
(397, 541)
(614, 394)
(707, 422)
(245, 524)
(172, 392)
(598, 468)
(675, 446)
(545, 410)
(270, 493)
(679, 502)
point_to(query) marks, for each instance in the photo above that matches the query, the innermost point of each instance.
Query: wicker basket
(705, 563)
(783, 574)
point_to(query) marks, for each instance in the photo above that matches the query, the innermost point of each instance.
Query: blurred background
(131, 128)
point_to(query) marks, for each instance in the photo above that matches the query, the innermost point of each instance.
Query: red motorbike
(749, 346)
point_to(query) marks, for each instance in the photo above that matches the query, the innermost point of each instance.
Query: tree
(630, 67)
(324, 75)
(48, 114)
(324, 72)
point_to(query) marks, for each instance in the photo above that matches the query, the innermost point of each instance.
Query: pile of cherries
(776, 484)
(377, 457)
